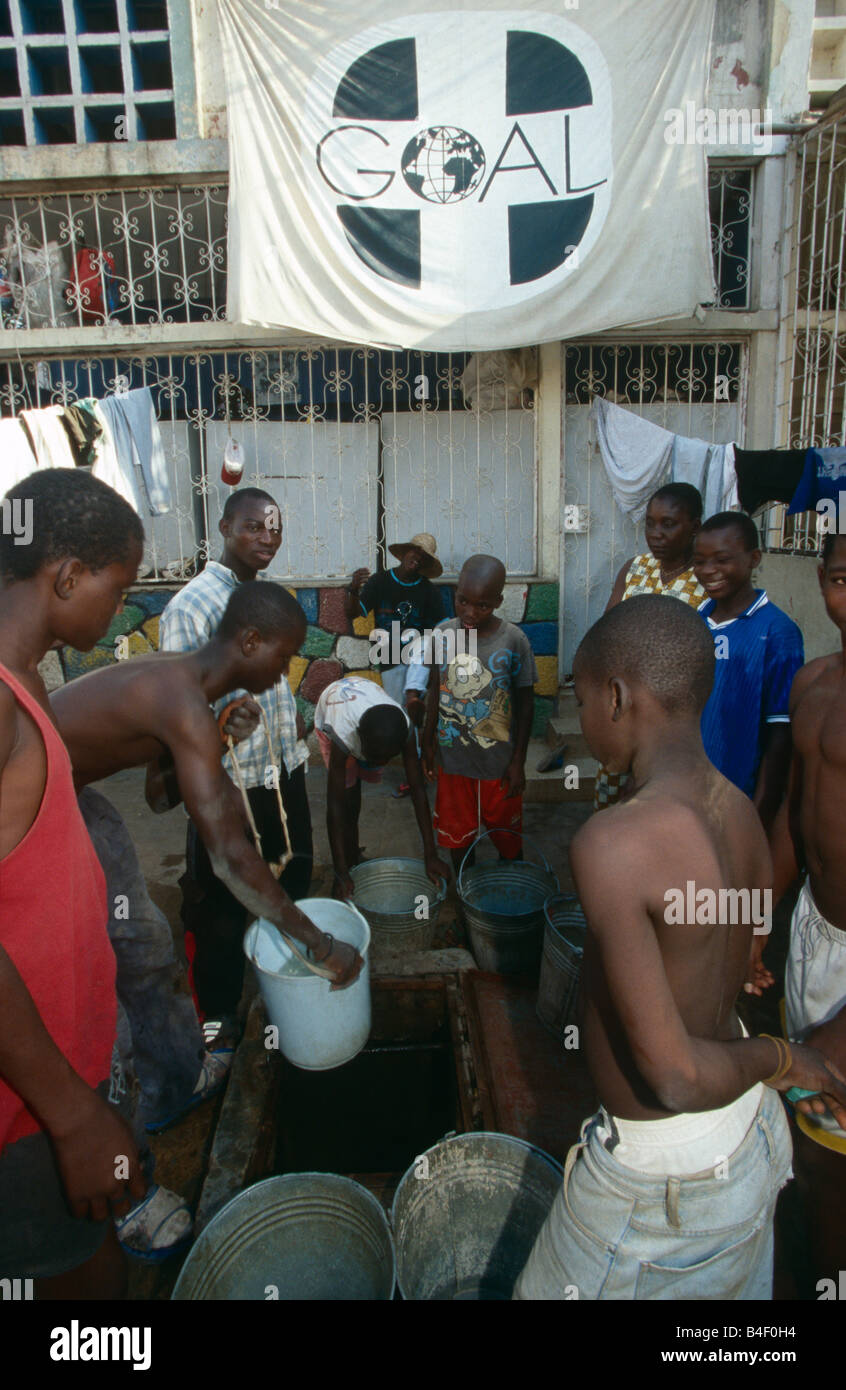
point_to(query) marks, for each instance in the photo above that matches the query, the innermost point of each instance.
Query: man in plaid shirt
(214, 920)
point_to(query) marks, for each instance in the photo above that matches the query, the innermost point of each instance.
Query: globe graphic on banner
(443, 164)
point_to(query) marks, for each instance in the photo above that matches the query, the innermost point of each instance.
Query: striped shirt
(192, 618)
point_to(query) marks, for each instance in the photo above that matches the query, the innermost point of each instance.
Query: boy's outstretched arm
(514, 781)
(621, 882)
(161, 787)
(435, 867)
(212, 802)
(336, 820)
(433, 695)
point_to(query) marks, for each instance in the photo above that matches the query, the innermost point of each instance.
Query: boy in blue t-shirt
(745, 724)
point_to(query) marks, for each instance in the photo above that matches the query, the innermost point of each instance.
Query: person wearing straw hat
(401, 600)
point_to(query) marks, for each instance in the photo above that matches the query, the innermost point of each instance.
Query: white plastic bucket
(318, 1028)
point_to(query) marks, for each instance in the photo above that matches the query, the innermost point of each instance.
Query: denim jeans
(613, 1233)
(163, 1043)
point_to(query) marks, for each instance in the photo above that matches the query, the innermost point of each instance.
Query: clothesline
(639, 456)
(117, 438)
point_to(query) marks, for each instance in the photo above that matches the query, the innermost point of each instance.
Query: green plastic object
(798, 1093)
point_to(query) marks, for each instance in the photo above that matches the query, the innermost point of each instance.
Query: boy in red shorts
(480, 714)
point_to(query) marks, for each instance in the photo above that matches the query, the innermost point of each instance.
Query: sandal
(157, 1227)
(212, 1079)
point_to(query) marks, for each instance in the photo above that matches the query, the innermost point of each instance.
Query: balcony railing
(125, 256)
(151, 255)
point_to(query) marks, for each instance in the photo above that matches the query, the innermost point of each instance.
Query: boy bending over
(360, 729)
(671, 1191)
(128, 714)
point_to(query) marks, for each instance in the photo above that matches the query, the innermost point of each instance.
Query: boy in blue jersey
(746, 724)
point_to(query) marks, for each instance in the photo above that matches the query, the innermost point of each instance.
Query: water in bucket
(318, 1027)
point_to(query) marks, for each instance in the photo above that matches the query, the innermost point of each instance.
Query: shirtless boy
(671, 1191)
(59, 1137)
(128, 714)
(808, 833)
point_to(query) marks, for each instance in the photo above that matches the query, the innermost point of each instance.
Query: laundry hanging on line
(639, 456)
(767, 475)
(823, 479)
(117, 437)
(636, 454)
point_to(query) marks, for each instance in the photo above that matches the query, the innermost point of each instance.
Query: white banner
(464, 176)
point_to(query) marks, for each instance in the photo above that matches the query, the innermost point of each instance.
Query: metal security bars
(695, 389)
(730, 203)
(813, 365)
(130, 256)
(817, 290)
(147, 254)
(358, 447)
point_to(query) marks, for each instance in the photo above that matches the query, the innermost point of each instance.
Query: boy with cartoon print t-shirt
(485, 700)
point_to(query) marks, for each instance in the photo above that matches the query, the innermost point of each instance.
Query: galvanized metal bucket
(312, 1236)
(503, 908)
(467, 1213)
(563, 946)
(388, 892)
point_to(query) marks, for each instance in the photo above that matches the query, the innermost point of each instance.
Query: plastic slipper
(159, 1226)
(213, 1075)
(553, 760)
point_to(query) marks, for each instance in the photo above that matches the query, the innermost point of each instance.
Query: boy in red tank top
(69, 547)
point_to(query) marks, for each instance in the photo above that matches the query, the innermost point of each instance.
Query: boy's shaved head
(737, 521)
(484, 570)
(655, 642)
(383, 731)
(267, 607)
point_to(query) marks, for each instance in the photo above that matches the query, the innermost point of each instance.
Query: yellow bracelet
(785, 1060)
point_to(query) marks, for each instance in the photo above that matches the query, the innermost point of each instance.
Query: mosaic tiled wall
(334, 646)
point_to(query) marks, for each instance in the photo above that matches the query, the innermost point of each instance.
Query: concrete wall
(333, 647)
(791, 582)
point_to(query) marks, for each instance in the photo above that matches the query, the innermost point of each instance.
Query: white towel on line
(636, 454)
(17, 460)
(711, 469)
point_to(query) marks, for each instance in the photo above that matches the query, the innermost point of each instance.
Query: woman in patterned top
(673, 517)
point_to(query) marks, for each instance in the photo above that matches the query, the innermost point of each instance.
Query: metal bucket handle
(506, 830)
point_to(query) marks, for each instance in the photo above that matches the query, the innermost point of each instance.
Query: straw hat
(432, 566)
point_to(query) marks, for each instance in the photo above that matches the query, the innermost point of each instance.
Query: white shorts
(814, 982)
(682, 1144)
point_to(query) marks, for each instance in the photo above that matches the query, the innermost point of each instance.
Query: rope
(275, 869)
